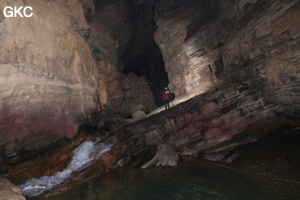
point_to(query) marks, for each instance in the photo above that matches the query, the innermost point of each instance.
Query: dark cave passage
(142, 55)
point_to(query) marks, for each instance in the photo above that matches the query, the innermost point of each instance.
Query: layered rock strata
(210, 125)
(252, 44)
(57, 160)
(142, 55)
(109, 34)
(245, 51)
(240, 56)
(48, 75)
(60, 68)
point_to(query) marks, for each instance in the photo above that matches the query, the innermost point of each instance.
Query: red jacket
(166, 94)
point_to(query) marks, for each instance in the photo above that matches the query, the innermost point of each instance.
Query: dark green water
(192, 179)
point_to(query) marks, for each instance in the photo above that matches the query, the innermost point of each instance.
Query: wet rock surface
(57, 159)
(166, 155)
(211, 124)
(48, 162)
(61, 78)
(235, 61)
(134, 148)
(275, 156)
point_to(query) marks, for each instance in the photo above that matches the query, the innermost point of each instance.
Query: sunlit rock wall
(48, 76)
(241, 44)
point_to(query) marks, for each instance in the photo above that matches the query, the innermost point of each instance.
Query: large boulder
(139, 114)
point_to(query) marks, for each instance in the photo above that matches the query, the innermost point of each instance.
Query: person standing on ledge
(166, 98)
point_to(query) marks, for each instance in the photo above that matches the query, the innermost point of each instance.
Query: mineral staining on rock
(58, 76)
(236, 61)
(242, 56)
(47, 77)
(60, 68)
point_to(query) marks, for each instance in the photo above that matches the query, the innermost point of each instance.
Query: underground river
(192, 178)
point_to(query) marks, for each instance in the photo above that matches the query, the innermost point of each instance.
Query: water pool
(192, 179)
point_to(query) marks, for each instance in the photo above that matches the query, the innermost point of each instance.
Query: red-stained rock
(235, 119)
(47, 79)
(239, 62)
(209, 109)
(57, 74)
(193, 127)
(213, 132)
(108, 159)
(195, 116)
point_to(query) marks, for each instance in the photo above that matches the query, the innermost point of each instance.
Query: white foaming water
(82, 158)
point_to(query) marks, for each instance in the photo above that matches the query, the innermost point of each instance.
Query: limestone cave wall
(243, 44)
(239, 61)
(110, 33)
(61, 69)
(48, 75)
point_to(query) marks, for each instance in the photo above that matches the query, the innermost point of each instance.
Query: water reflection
(192, 179)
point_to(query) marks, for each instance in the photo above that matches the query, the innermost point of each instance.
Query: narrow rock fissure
(142, 55)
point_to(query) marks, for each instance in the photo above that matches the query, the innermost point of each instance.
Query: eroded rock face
(166, 156)
(243, 51)
(250, 44)
(59, 160)
(211, 125)
(110, 33)
(240, 56)
(142, 55)
(267, 55)
(60, 68)
(48, 75)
